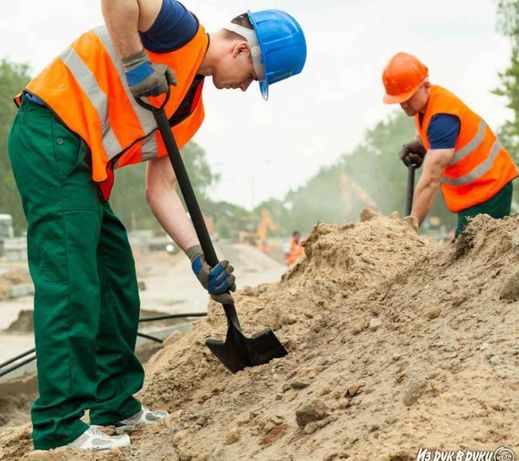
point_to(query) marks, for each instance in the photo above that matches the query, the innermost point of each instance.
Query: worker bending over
(460, 153)
(78, 120)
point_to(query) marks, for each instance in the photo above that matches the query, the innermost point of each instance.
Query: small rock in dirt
(344, 403)
(232, 436)
(299, 384)
(498, 406)
(243, 419)
(494, 360)
(289, 319)
(276, 419)
(269, 425)
(433, 312)
(353, 390)
(310, 428)
(413, 392)
(312, 411)
(357, 328)
(375, 324)
(366, 214)
(510, 288)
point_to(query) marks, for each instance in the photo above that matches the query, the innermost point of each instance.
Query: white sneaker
(144, 416)
(94, 439)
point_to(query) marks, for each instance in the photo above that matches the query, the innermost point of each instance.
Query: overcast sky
(264, 149)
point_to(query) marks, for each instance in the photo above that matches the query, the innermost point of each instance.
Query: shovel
(410, 188)
(237, 351)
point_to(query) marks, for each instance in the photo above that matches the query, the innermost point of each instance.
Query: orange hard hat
(403, 75)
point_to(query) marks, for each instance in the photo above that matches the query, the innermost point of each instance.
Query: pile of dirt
(395, 341)
(11, 278)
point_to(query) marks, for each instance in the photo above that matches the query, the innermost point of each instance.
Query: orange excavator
(254, 232)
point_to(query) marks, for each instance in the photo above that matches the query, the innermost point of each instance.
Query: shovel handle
(187, 192)
(410, 189)
(183, 179)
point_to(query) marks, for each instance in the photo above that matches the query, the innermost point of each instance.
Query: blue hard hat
(282, 44)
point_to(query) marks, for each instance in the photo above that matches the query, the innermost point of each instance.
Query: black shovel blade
(238, 352)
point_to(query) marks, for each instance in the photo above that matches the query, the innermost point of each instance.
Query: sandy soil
(395, 342)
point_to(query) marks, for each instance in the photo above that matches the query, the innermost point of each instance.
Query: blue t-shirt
(174, 27)
(443, 131)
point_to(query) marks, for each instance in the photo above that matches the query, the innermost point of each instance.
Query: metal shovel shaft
(191, 201)
(410, 189)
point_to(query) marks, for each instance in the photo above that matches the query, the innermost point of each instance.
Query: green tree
(13, 77)
(508, 24)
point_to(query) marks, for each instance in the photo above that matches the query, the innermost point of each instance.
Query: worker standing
(460, 153)
(78, 120)
(294, 249)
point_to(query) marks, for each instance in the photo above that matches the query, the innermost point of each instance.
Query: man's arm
(124, 19)
(167, 208)
(429, 184)
(166, 205)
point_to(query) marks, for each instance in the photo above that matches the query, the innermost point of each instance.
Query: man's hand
(412, 153)
(145, 78)
(218, 281)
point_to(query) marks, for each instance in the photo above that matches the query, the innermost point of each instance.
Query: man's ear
(239, 48)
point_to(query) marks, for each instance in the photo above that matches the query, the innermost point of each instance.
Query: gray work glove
(146, 78)
(412, 153)
(218, 281)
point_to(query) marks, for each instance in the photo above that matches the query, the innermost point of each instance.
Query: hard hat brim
(263, 83)
(400, 98)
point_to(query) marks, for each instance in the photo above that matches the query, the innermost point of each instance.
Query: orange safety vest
(295, 252)
(481, 166)
(86, 88)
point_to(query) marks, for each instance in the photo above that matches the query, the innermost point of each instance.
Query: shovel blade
(238, 352)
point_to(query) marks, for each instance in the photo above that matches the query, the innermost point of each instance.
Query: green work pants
(498, 207)
(86, 304)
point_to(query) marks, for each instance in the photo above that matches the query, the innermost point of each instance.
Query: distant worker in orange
(461, 155)
(295, 249)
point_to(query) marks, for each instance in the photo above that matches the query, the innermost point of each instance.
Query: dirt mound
(396, 342)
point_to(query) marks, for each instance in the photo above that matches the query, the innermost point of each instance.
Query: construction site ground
(396, 342)
(167, 286)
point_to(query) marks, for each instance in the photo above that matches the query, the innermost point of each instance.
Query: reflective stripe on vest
(472, 145)
(88, 83)
(86, 88)
(477, 172)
